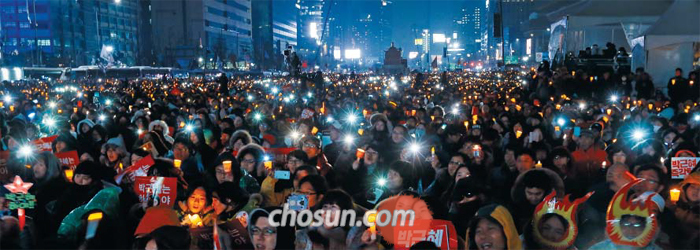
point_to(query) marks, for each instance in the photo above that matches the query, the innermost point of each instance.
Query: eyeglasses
(268, 231)
(294, 161)
(632, 224)
(309, 145)
(371, 152)
(456, 163)
(652, 181)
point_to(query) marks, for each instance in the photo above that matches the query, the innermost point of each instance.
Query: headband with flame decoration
(564, 208)
(619, 206)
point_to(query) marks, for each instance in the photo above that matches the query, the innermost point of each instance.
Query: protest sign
(69, 159)
(681, 166)
(44, 144)
(239, 238)
(160, 190)
(140, 168)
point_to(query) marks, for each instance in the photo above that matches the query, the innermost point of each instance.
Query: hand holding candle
(675, 195)
(227, 166)
(360, 153)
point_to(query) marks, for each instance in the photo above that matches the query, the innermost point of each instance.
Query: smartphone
(298, 202)
(577, 131)
(326, 140)
(282, 174)
(377, 194)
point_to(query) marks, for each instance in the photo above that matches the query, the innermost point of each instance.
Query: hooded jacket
(498, 214)
(165, 131)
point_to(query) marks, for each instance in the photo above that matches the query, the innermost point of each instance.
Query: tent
(591, 22)
(673, 41)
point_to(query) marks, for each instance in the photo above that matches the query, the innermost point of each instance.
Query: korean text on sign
(160, 190)
(681, 166)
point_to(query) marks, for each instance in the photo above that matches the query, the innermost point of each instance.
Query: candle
(360, 153)
(69, 174)
(518, 133)
(268, 165)
(360, 131)
(75, 110)
(177, 163)
(227, 166)
(538, 165)
(604, 165)
(432, 151)
(675, 194)
(673, 81)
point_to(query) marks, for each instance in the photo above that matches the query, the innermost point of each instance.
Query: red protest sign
(44, 144)
(69, 159)
(682, 166)
(441, 232)
(4, 172)
(140, 168)
(160, 190)
(233, 229)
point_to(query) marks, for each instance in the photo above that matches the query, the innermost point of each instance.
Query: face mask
(656, 128)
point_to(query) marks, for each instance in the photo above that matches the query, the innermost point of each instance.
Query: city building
(310, 25)
(262, 26)
(69, 33)
(284, 24)
(468, 26)
(204, 34)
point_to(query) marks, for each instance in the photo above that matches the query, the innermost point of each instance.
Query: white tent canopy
(670, 41)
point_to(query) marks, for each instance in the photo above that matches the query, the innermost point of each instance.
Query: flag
(434, 64)
(217, 243)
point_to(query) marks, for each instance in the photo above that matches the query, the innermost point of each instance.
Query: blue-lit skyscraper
(68, 33)
(309, 28)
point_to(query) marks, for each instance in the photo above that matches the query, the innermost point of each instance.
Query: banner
(44, 144)
(681, 166)
(160, 190)
(140, 168)
(233, 229)
(69, 159)
(441, 232)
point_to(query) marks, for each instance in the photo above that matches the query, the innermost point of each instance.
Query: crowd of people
(495, 153)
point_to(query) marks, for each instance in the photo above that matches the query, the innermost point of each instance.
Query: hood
(501, 215)
(119, 141)
(285, 234)
(517, 192)
(691, 179)
(89, 122)
(158, 122)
